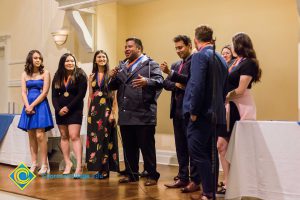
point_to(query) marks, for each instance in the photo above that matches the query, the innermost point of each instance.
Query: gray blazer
(138, 106)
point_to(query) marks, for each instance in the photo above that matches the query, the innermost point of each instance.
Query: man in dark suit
(203, 104)
(139, 82)
(176, 82)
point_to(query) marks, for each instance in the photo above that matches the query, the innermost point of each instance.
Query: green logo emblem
(22, 176)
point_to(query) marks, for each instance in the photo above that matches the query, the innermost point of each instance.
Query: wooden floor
(108, 189)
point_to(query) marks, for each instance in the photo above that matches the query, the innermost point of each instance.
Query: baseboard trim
(163, 157)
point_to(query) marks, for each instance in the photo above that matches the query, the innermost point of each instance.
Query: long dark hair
(29, 63)
(61, 72)
(243, 47)
(106, 67)
(95, 66)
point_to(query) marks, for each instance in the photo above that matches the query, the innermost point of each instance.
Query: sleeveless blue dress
(42, 117)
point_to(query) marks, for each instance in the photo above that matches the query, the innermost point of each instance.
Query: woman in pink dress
(240, 105)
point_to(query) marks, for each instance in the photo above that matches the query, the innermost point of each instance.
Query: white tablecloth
(265, 160)
(14, 148)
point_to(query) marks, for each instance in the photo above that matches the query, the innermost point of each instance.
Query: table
(14, 148)
(265, 160)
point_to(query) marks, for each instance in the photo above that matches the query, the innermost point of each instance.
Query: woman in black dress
(240, 104)
(68, 90)
(101, 143)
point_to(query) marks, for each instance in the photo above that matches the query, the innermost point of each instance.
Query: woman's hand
(111, 118)
(91, 77)
(63, 111)
(29, 110)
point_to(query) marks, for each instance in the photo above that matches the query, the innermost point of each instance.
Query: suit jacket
(199, 98)
(138, 106)
(177, 93)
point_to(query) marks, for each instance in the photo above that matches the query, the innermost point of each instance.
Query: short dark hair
(185, 39)
(204, 33)
(137, 41)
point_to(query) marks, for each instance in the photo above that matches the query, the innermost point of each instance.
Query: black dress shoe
(144, 174)
(127, 180)
(191, 187)
(177, 184)
(150, 182)
(123, 172)
(176, 178)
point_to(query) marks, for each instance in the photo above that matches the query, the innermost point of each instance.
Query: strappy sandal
(221, 184)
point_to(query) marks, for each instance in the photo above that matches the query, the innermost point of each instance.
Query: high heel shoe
(68, 169)
(101, 175)
(34, 167)
(77, 174)
(44, 170)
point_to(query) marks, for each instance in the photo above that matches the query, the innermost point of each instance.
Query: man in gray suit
(139, 81)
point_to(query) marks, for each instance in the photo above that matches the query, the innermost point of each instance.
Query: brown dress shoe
(200, 197)
(177, 184)
(191, 187)
(196, 196)
(150, 182)
(127, 180)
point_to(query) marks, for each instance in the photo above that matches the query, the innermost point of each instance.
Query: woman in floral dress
(101, 145)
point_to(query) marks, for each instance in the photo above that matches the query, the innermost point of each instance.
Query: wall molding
(78, 4)
(85, 37)
(14, 83)
(16, 62)
(3, 38)
(163, 157)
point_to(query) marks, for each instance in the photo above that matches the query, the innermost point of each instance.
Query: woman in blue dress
(36, 117)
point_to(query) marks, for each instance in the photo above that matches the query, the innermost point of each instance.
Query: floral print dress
(101, 143)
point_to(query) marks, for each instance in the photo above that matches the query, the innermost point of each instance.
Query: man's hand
(112, 73)
(139, 82)
(193, 118)
(180, 86)
(165, 68)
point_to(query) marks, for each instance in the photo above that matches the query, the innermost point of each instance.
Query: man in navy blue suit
(176, 82)
(203, 105)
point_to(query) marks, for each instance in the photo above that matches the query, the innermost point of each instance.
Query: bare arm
(91, 76)
(24, 90)
(240, 90)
